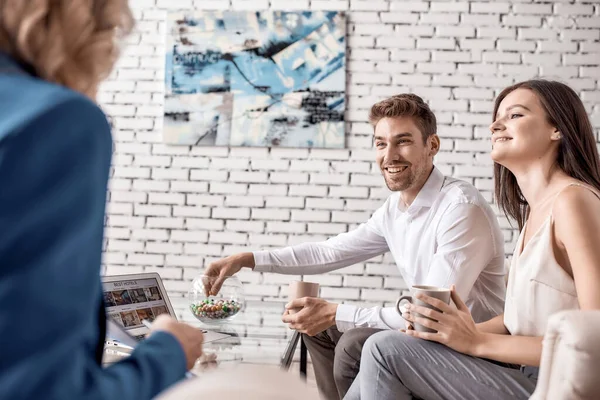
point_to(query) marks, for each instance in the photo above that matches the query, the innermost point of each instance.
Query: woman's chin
(499, 155)
(502, 158)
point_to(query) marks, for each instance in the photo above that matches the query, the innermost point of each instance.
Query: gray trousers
(336, 358)
(398, 366)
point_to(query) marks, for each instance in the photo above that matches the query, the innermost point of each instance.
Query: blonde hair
(69, 42)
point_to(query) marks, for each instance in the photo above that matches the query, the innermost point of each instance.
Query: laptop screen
(130, 301)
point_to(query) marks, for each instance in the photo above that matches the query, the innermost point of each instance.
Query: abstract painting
(259, 78)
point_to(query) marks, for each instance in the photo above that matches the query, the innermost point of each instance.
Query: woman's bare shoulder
(577, 204)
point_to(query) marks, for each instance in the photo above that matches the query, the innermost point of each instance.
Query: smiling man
(439, 230)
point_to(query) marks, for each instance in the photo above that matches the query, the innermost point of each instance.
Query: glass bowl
(219, 308)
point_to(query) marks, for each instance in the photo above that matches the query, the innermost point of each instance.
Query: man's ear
(433, 143)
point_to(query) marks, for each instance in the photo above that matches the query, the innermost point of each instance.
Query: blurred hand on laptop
(190, 338)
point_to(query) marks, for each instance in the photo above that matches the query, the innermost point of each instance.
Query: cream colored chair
(244, 382)
(570, 364)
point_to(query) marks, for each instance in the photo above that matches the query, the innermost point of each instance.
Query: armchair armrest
(570, 363)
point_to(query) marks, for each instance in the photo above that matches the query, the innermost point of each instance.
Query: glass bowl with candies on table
(219, 308)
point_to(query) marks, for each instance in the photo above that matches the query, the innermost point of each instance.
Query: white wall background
(174, 209)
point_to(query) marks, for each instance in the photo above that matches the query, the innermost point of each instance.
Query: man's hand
(315, 315)
(190, 338)
(219, 270)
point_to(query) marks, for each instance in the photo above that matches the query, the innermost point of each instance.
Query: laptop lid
(129, 299)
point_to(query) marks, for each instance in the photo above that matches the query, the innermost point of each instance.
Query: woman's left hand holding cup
(455, 326)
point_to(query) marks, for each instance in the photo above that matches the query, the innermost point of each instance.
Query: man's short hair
(406, 105)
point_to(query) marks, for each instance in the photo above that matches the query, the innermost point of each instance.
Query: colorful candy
(215, 310)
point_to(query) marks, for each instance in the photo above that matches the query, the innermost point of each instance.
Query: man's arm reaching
(337, 252)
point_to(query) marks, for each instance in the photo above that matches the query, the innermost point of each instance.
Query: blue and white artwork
(259, 78)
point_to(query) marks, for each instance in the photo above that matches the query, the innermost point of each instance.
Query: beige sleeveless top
(537, 285)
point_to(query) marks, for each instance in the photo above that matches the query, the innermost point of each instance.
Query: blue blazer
(55, 151)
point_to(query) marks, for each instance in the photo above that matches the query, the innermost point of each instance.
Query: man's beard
(400, 185)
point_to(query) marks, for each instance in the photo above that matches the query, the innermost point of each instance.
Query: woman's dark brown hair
(577, 152)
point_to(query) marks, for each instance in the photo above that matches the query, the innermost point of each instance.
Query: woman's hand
(455, 327)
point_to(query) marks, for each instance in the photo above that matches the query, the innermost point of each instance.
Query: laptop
(133, 298)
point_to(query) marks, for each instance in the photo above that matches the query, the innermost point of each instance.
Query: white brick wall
(175, 209)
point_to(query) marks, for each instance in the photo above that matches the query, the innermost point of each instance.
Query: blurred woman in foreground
(55, 151)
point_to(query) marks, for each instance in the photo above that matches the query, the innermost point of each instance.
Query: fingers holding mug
(402, 310)
(406, 316)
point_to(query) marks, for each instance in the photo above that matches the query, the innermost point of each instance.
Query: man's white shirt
(448, 235)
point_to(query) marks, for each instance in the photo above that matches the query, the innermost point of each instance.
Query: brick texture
(175, 209)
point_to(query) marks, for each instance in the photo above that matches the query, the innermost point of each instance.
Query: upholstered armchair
(570, 364)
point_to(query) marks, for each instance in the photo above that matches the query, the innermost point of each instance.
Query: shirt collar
(428, 192)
